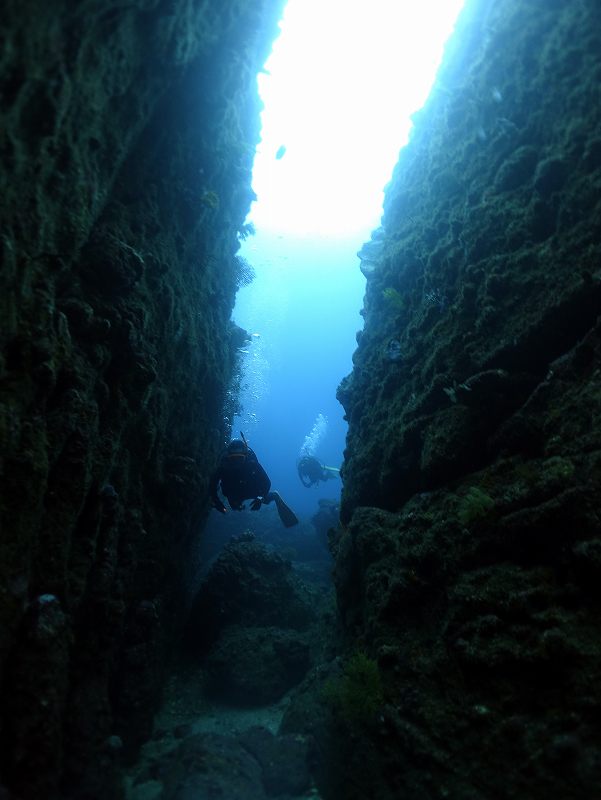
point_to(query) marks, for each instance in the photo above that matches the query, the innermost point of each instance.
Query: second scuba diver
(311, 471)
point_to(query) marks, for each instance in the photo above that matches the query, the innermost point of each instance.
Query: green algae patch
(474, 506)
(394, 298)
(358, 693)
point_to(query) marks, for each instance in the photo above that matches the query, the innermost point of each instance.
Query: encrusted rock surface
(254, 625)
(248, 585)
(254, 666)
(253, 764)
(468, 564)
(127, 138)
(474, 275)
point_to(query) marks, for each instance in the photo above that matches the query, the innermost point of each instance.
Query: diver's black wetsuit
(310, 471)
(241, 477)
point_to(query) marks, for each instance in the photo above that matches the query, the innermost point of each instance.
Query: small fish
(281, 152)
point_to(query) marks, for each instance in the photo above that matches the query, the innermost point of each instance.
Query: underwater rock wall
(469, 564)
(127, 141)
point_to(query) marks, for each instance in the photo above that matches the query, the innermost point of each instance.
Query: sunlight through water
(340, 85)
(338, 90)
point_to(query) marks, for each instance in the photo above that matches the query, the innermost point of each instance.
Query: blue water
(304, 308)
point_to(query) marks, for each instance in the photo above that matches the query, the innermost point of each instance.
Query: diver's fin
(287, 515)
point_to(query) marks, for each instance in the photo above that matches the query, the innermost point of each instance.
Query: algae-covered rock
(205, 764)
(466, 563)
(128, 135)
(253, 763)
(283, 759)
(252, 666)
(251, 586)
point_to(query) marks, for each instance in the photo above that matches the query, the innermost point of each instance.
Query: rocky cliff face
(469, 564)
(470, 561)
(127, 141)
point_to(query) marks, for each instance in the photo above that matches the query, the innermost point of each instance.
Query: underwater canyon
(463, 658)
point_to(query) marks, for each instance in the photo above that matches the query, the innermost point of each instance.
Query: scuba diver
(311, 471)
(243, 478)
